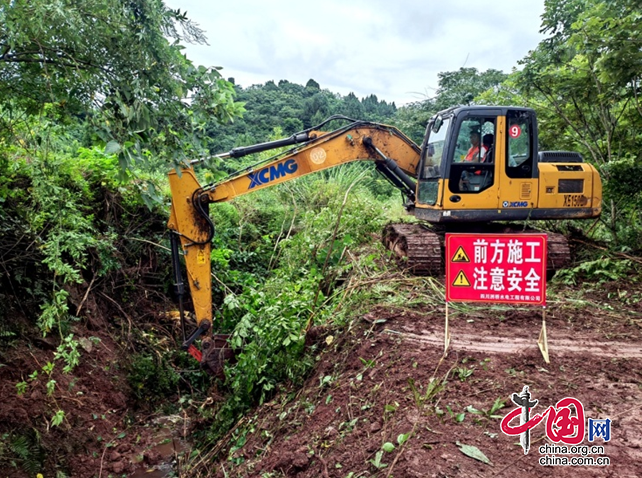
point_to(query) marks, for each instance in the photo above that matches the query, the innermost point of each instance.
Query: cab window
(433, 154)
(519, 161)
(472, 168)
(434, 150)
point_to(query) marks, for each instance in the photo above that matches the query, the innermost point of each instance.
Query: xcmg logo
(277, 171)
(515, 204)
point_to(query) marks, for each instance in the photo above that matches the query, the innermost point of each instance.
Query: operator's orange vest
(474, 150)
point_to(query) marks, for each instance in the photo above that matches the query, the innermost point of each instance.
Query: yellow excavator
(478, 169)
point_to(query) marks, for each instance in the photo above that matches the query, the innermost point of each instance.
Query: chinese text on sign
(509, 268)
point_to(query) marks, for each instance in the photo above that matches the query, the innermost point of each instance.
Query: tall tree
(585, 81)
(291, 107)
(464, 85)
(119, 62)
(588, 73)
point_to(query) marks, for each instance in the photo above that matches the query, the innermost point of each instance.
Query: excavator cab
(481, 163)
(459, 166)
(460, 160)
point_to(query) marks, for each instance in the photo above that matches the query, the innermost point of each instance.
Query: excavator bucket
(216, 351)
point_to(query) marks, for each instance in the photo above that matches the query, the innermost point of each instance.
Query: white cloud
(391, 49)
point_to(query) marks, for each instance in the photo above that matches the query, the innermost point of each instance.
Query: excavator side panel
(486, 199)
(570, 186)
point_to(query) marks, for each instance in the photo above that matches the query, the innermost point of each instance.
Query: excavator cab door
(471, 173)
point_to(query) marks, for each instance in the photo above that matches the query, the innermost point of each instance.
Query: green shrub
(267, 314)
(151, 378)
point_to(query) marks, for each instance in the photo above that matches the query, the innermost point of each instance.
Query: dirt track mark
(513, 345)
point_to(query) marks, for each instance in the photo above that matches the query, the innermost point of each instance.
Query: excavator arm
(393, 154)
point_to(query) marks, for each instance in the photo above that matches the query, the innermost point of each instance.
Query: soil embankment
(369, 408)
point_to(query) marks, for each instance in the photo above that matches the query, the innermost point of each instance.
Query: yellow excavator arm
(393, 153)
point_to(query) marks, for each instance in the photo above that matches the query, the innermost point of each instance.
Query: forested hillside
(290, 108)
(90, 366)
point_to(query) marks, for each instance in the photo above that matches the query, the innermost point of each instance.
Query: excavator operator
(474, 153)
(472, 180)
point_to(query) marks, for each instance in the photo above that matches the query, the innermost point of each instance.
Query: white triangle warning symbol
(461, 280)
(460, 255)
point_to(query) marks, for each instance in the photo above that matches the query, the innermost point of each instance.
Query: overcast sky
(392, 48)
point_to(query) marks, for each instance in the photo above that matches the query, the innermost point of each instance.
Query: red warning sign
(507, 268)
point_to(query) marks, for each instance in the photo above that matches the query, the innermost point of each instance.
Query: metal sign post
(497, 268)
(542, 342)
(446, 334)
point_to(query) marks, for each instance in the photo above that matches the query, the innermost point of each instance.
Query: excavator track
(558, 253)
(419, 249)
